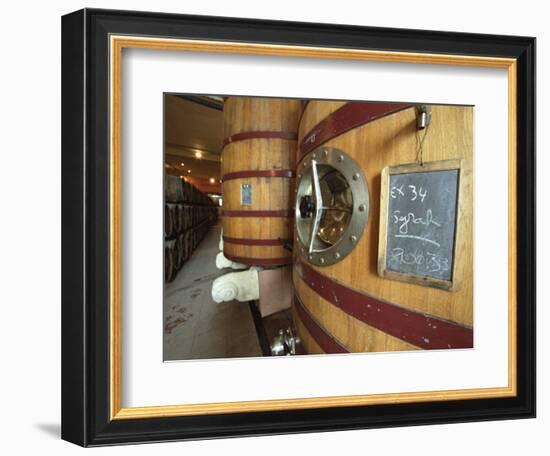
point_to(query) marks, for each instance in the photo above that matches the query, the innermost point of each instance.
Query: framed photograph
(278, 227)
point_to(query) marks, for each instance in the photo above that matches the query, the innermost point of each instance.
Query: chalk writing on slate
(422, 223)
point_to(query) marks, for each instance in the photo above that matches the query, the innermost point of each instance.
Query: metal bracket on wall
(423, 116)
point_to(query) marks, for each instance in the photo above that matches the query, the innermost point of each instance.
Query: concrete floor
(195, 327)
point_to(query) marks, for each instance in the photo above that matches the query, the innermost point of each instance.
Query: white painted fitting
(240, 286)
(222, 262)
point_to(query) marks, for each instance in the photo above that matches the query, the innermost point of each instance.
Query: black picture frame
(85, 227)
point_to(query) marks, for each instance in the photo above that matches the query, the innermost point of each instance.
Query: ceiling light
(188, 170)
(198, 154)
(182, 164)
(212, 180)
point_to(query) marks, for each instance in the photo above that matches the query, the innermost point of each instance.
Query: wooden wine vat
(258, 162)
(347, 306)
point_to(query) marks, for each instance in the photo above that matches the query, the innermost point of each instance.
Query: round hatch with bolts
(332, 205)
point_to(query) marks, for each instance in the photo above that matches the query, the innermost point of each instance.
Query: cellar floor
(195, 327)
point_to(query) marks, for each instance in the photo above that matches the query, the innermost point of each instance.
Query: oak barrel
(169, 219)
(173, 189)
(257, 177)
(347, 306)
(170, 260)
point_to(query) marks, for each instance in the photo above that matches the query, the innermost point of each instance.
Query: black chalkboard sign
(419, 220)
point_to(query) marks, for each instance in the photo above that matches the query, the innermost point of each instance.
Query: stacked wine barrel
(258, 164)
(188, 213)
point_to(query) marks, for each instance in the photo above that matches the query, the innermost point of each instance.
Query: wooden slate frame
(92, 412)
(463, 209)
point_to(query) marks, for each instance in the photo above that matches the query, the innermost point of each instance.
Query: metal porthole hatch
(332, 205)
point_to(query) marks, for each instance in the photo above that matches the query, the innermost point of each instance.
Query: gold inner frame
(117, 44)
